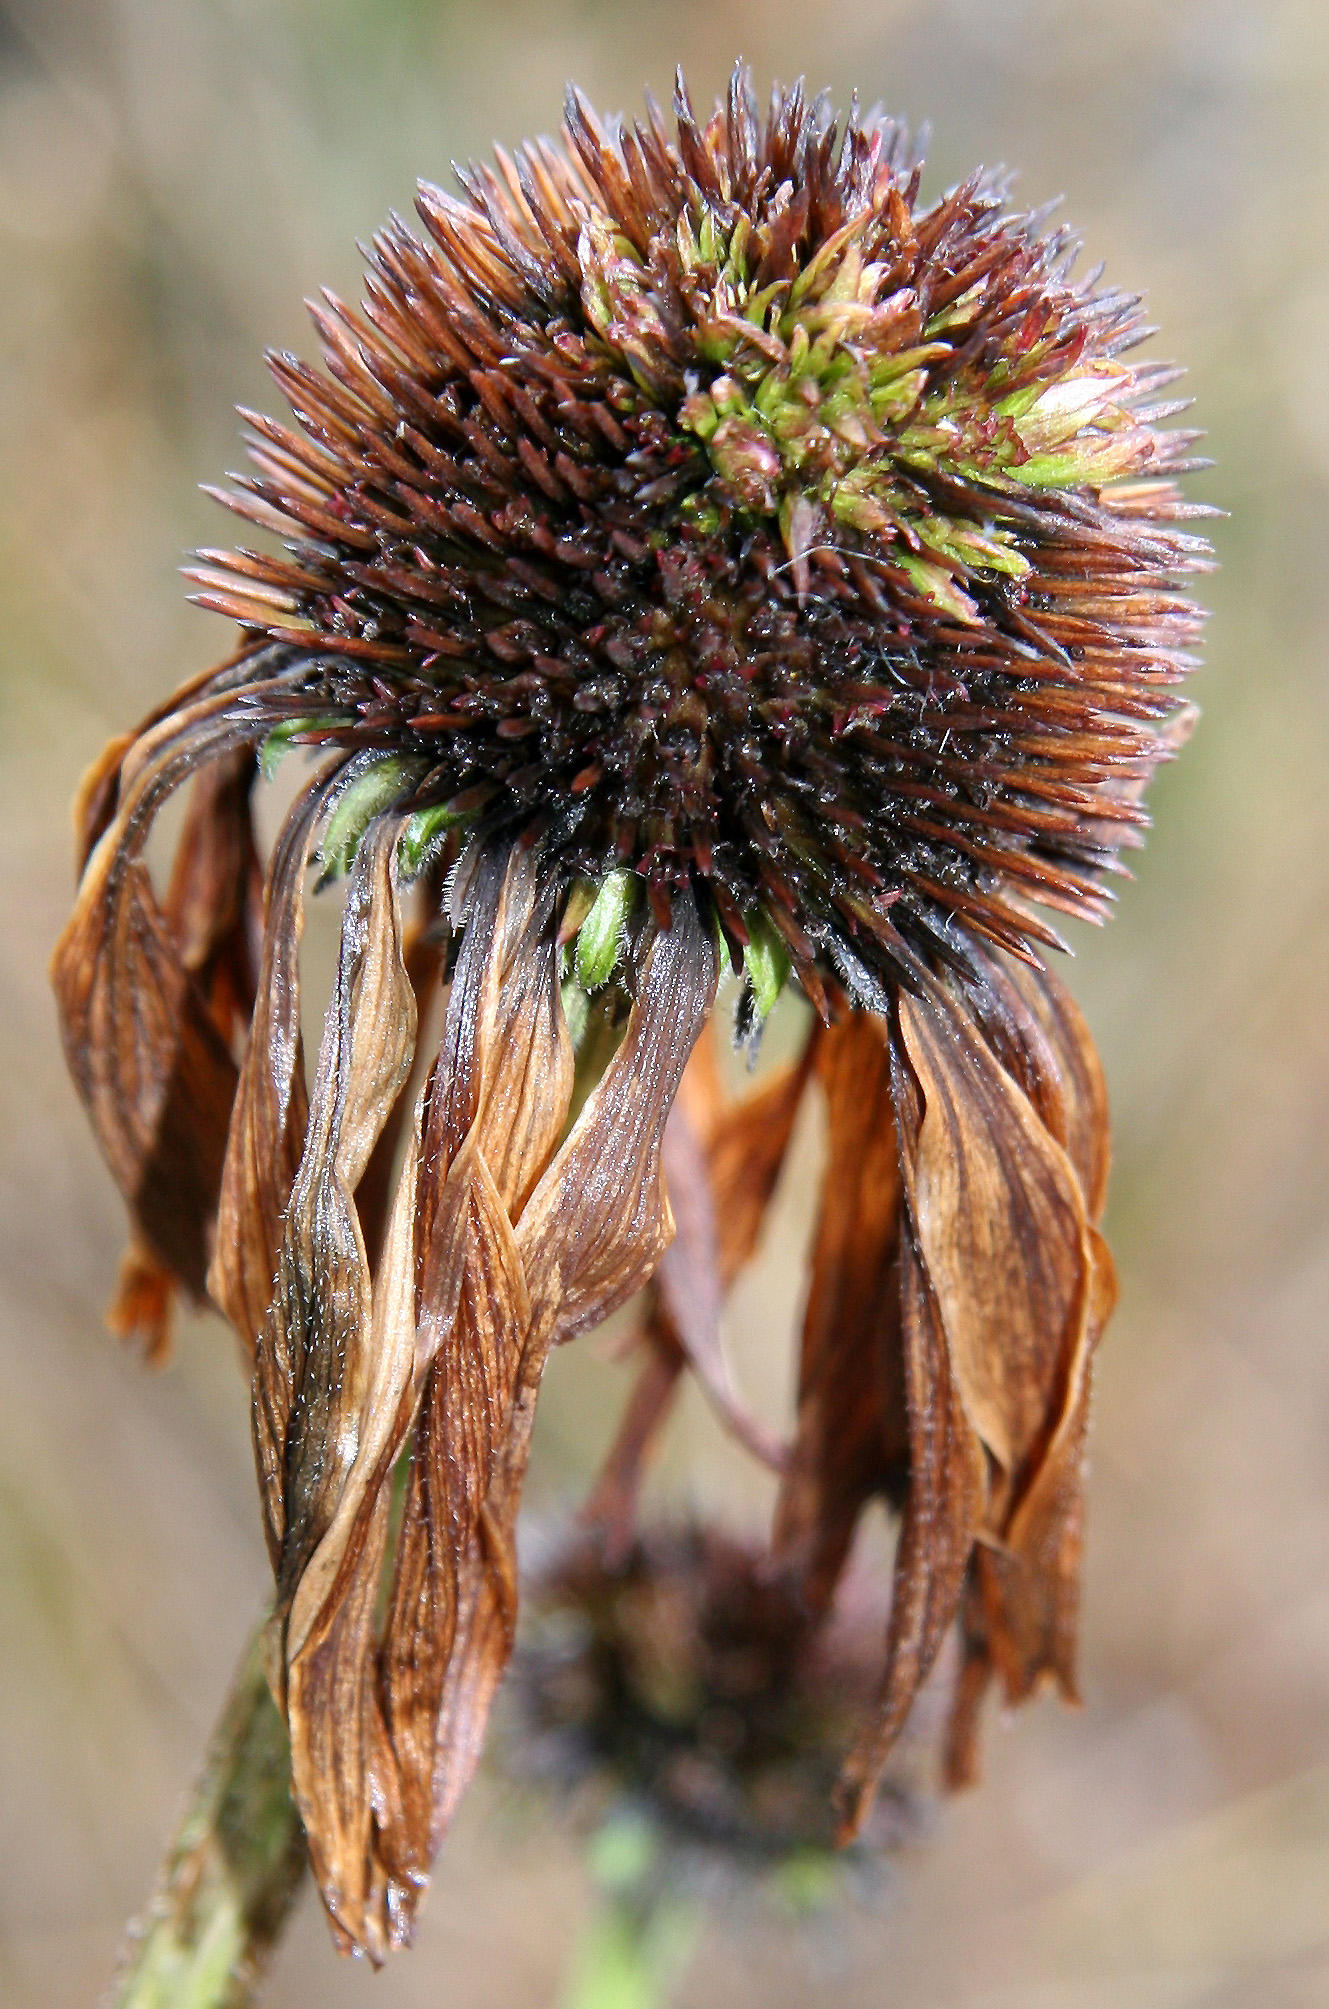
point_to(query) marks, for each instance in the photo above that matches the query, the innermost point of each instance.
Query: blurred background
(174, 176)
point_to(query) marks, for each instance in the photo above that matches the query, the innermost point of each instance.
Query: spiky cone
(696, 550)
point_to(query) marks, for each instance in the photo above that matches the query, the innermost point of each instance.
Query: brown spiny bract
(697, 550)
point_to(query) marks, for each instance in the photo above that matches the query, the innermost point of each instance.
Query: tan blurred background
(174, 176)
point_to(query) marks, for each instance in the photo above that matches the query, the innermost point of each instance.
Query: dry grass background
(174, 176)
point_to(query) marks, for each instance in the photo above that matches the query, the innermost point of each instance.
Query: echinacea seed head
(696, 495)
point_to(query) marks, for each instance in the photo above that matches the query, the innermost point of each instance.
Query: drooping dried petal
(1030, 1583)
(1036, 1031)
(723, 1156)
(1000, 1224)
(214, 901)
(346, 1771)
(97, 796)
(311, 1368)
(941, 1517)
(267, 1131)
(150, 1063)
(590, 1235)
(1021, 1608)
(212, 909)
(851, 1440)
(1084, 1130)
(334, 1390)
(424, 951)
(1003, 1293)
(497, 1103)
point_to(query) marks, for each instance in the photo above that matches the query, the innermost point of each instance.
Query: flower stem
(641, 1935)
(230, 1875)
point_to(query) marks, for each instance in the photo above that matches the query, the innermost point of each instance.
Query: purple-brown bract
(696, 550)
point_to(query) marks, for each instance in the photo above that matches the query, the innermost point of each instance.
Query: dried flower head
(680, 1680)
(696, 550)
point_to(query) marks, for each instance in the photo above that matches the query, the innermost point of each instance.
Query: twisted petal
(497, 1103)
(1003, 1289)
(1083, 1129)
(590, 1235)
(334, 1384)
(268, 1123)
(136, 984)
(722, 1159)
(311, 1371)
(212, 909)
(850, 1439)
(1000, 1224)
(346, 1771)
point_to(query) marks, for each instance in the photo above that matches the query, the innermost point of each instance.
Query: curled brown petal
(722, 1159)
(850, 1438)
(212, 910)
(590, 1235)
(153, 1070)
(311, 1368)
(599, 1220)
(1036, 1031)
(1023, 1604)
(1032, 1616)
(1086, 1132)
(424, 950)
(346, 1772)
(1000, 1224)
(466, 1407)
(942, 1513)
(1022, 1609)
(267, 1129)
(497, 1104)
(327, 1383)
(215, 898)
(422, 1613)
(1004, 1289)
(334, 1389)
(96, 798)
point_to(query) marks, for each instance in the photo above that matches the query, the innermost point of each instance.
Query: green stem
(232, 1872)
(640, 1938)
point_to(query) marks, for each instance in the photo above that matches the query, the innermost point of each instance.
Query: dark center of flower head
(695, 499)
